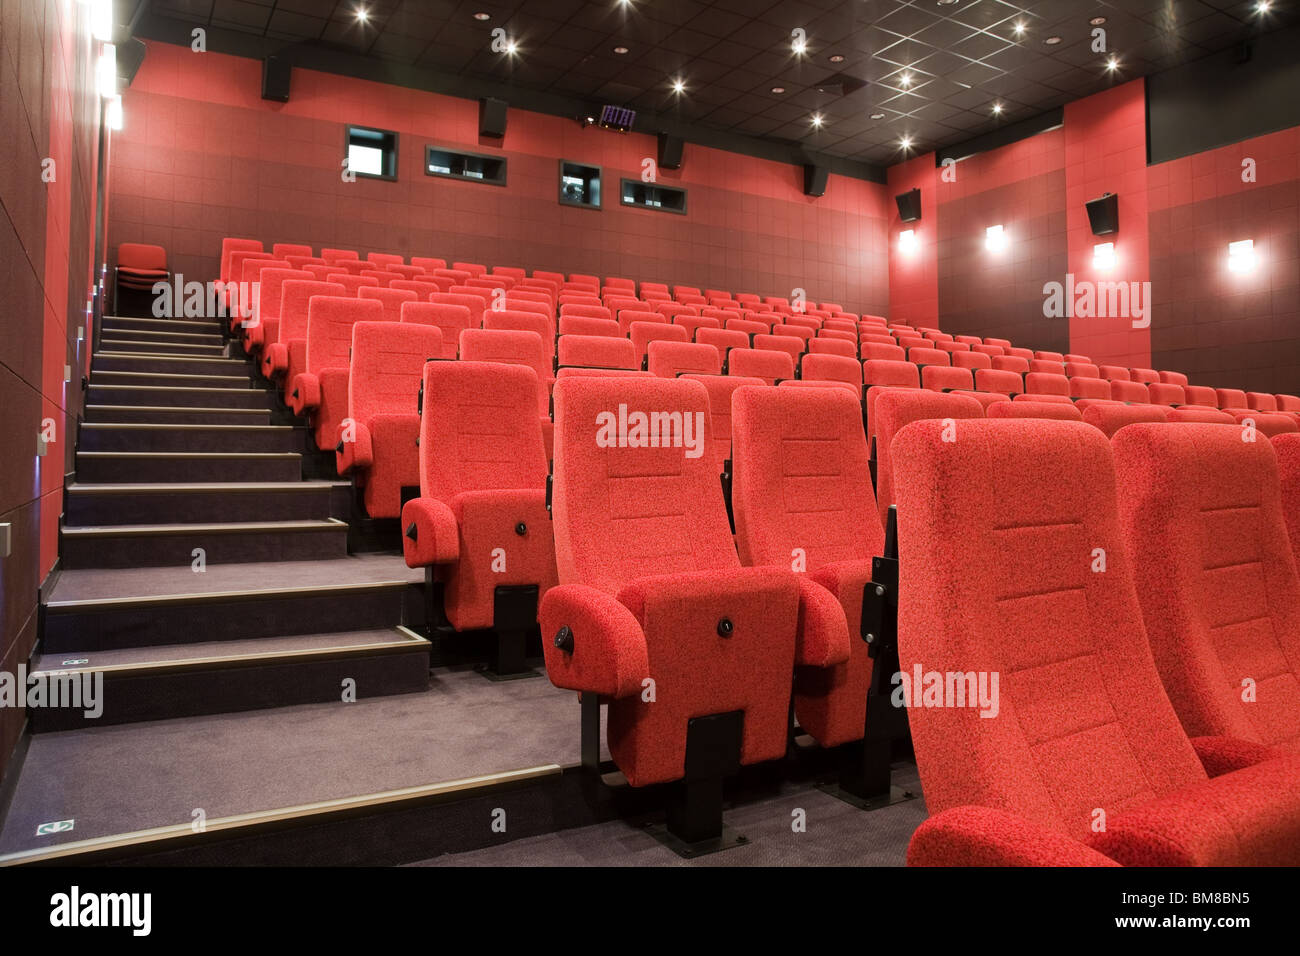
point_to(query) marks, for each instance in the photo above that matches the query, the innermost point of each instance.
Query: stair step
(164, 337)
(176, 380)
(164, 364)
(117, 344)
(149, 436)
(187, 397)
(197, 503)
(173, 545)
(162, 415)
(187, 680)
(131, 323)
(97, 610)
(105, 466)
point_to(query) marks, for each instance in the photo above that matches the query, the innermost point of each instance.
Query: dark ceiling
(962, 56)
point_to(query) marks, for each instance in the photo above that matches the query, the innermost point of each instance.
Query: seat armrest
(305, 393)
(275, 359)
(823, 636)
(845, 581)
(355, 448)
(592, 643)
(984, 836)
(1220, 755)
(429, 533)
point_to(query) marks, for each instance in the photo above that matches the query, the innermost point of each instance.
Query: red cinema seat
(880, 352)
(289, 350)
(1201, 395)
(992, 351)
(1046, 383)
(228, 248)
(1000, 343)
(821, 346)
(512, 320)
(651, 589)
(722, 339)
(581, 325)
(1085, 763)
(643, 333)
(1162, 393)
(282, 249)
(322, 388)
(1261, 401)
(244, 295)
(451, 320)
(1122, 390)
(1011, 363)
(1146, 376)
(815, 367)
(877, 372)
(1287, 449)
(590, 311)
(1286, 403)
(1205, 526)
(998, 381)
(1173, 378)
(377, 440)
(1081, 370)
(788, 344)
(234, 282)
(476, 269)
(669, 359)
(353, 284)
(596, 351)
(942, 378)
(1201, 414)
(748, 326)
(1081, 387)
(971, 360)
(721, 388)
(770, 366)
(391, 299)
(893, 410)
(1045, 367)
(627, 316)
(1111, 418)
(472, 302)
(1265, 423)
(480, 523)
(1114, 373)
(1050, 357)
(1063, 410)
(264, 327)
(421, 289)
(790, 448)
(693, 323)
(924, 356)
(339, 255)
(986, 399)
(513, 347)
(428, 264)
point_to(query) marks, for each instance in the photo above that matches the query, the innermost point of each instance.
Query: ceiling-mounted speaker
(492, 117)
(276, 73)
(1103, 214)
(670, 151)
(814, 179)
(130, 54)
(909, 205)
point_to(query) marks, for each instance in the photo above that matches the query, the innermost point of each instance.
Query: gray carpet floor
(836, 834)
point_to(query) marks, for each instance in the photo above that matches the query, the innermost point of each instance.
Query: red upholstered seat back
(1287, 448)
(141, 257)
(388, 361)
(670, 359)
(329, 329)
(1111, 418)
(479, 430)
(451, 320)
(895, 408)
(1202, 516)
(390, 299)
(621, 512)
(228, 248)
(295, 295)
(474, 303)
(596, 351)
(720, 389)
(513, 348)
(998, 533)
(801, 477)
(760, 363)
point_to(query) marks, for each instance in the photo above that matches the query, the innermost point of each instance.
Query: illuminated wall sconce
(995, 239)
(906, 241)
(1103, 255)
(113, 113)
(1241, 255)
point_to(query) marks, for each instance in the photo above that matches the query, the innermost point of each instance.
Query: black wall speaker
(814, 180)
(130, 55)
(492, 117)
(909, 205)
(275, 79)
(1103, 214)
(670, 151)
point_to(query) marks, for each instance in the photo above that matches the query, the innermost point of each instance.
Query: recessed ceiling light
(1052, 41)
(877, 116)
(817, 120)
(1112, 64)
(620, 50)
(905, 142)
(946, 3)
(482, 16)
(362, 15)
(837, 58)
(1019, 28)
(1263, 6)
(778, 89)
(679, 85)
(905, 79)
(997, 108)
(799, 46)
(1097, 21)
(512, 47)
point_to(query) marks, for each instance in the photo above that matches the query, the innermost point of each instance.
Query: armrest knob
(564, 639)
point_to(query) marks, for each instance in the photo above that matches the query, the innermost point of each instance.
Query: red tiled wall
(1000, 294)
(202, 156)
(1227, 329)
(48, 111)
(914, 277)
(1105, 145)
